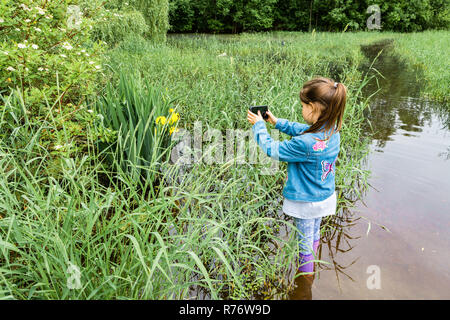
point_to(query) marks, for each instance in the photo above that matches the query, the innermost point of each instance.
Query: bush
(113, 26)
(221, 15)
(181, 15)
(45, 53)
(155, 13)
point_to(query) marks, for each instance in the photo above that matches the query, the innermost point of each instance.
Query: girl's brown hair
(322, 93)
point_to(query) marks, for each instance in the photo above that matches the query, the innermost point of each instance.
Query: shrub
(155, 13)
(45, 53)
(114, 26)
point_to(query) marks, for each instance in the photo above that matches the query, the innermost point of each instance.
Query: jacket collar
(327, 134)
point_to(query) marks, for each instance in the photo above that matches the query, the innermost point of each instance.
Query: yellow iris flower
(173, 129)
(161, 119)
(174, 117)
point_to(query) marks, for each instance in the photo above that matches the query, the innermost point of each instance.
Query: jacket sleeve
(293, 150)
(290, 128)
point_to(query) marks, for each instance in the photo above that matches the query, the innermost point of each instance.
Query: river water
(395, 243)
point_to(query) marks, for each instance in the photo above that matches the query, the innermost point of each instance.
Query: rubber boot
(315, 247)
(303, 290)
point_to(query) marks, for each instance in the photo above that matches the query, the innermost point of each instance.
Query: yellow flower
(161, 119)
(174, 117)
(171, 110)
(9, 80)
(173, 129)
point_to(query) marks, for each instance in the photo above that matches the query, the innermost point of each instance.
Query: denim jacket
(311, 161)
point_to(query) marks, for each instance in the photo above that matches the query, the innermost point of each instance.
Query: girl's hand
(272, 119)
(253, 118)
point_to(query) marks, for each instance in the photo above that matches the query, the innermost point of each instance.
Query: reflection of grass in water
(424, 52)
(337, 235)
(446, 154)
(400, 92)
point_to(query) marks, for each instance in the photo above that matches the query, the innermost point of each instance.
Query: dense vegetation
(428, 60)
(87, 118)
(226, 16)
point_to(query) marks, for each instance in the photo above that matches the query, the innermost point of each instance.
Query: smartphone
(263, 110)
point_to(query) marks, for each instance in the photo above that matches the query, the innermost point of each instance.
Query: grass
(426, 52)
(212, 232)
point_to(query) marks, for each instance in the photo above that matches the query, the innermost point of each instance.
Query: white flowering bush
(46, 51)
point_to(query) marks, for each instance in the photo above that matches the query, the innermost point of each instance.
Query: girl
(309, 193)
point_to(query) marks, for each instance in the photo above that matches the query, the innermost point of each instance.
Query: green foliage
(49, 66)
(327, 15)
(221, 15)
(181, 15)
(140, 115)
(134, 44)
(155, 13)
(291, 15)
(254, 15)
(115, 25)
(428, 59)
(45, 56)
(62, 132)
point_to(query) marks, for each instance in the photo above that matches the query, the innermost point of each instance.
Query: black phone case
(263, 109)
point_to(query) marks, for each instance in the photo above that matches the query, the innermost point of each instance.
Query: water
(401, 226)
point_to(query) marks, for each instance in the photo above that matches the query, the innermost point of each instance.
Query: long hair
(330, 99)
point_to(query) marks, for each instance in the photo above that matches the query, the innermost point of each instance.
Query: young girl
(309, 193)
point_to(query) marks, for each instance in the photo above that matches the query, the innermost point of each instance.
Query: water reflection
(398, 105)
(337, 240)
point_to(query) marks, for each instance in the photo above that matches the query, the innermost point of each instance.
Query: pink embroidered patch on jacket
(319, 145)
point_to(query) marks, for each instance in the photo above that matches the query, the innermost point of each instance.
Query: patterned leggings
(308, 240)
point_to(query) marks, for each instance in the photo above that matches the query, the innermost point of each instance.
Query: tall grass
(134, 110)
(127, 244)
(426, 52)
